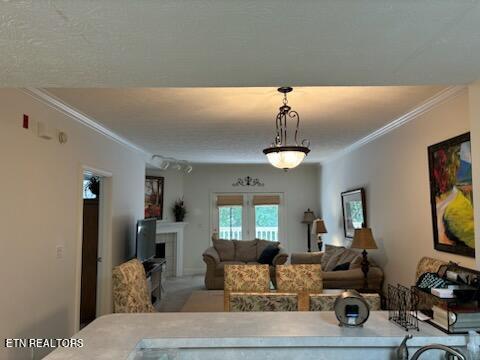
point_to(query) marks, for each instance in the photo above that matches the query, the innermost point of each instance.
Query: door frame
(104, 268)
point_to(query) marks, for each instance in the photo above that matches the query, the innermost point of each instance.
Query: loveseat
(341, 268)
(238, 252)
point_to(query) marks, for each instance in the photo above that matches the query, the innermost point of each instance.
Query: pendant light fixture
(280, 154)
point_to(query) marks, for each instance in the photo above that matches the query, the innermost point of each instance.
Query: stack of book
(456, 319)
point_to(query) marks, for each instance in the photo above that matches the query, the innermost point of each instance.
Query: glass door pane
(266, 222)
(230, 222)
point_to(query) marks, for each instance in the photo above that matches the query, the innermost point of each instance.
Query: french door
(244, 216)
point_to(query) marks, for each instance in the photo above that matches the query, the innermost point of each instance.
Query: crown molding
(53, 102)
(419, 110)
(50, 100)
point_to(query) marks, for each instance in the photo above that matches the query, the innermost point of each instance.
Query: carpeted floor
(188, 293)
(204, 301)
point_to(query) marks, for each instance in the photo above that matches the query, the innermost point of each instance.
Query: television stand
(154, 270)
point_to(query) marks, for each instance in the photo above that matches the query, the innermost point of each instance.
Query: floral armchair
(130, 290)
(302, 279)
(268, 301)
(245, 278)
(326, 302)
(427, 264)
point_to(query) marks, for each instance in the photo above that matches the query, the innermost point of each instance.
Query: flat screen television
(146, 232)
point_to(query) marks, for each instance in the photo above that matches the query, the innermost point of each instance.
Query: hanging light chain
(281, 136)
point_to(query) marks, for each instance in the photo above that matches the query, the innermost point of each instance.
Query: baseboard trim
(194, 271)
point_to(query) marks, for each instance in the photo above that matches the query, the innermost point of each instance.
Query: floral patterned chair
(245, 278)
(130, 290)
(269, 301)
(427, 264)
(325, 302)
(303, 279)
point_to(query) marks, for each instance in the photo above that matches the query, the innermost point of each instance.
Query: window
(266, 208)
(230, 222)
(247, 216)
(230, 216)
(266, 222)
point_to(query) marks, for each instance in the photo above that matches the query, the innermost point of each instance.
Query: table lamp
(308, 217)
(363, 239)
(319, 228)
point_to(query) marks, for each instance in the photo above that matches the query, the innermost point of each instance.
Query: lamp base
(319, 243)
(309, 239)
(365, 268)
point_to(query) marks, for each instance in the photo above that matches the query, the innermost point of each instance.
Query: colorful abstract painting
(451, 195)
(154, 197)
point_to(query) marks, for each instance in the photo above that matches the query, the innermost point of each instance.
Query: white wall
(474, 102)
(39, 209)
(173, 189)
(299, 186)
(394, 171)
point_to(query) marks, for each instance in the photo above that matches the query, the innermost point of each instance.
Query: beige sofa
(224, 252)
(352, 278)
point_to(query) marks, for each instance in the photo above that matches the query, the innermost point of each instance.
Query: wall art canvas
(451, 195)
(354, 211)
(154, 197)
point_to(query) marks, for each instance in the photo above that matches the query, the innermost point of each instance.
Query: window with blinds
(230, 217)
(266, 216)
(248, 216)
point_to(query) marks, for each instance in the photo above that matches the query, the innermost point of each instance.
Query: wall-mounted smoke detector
(43, 131)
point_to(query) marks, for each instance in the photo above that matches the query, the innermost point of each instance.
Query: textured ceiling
(173, 43)
(233, 125)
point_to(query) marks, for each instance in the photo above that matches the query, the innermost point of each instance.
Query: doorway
(93, 268)
(90, 248)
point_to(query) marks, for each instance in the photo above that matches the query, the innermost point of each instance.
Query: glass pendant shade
(287, 158)
(281, 154)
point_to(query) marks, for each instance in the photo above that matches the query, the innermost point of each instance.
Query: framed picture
(450, 168)
(354, 211)
(154, 197)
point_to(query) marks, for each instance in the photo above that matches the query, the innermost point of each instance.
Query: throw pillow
(329, 251)
(268, 254)
(357, 262)
(342, 267)
(225, 249)
(245, 250)
(335, 256)
(262, 244)
(348, 255)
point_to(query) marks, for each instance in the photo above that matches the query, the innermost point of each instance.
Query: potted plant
(179, 210)
(93, 185)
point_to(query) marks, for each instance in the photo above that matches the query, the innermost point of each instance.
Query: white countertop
(116, 336)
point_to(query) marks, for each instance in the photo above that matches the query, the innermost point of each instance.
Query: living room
(371, 124)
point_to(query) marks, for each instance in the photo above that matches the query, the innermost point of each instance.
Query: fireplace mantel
(165, 227)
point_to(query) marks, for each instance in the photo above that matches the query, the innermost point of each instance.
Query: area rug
(204, 301)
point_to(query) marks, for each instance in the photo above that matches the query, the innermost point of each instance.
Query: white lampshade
(286, 159)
